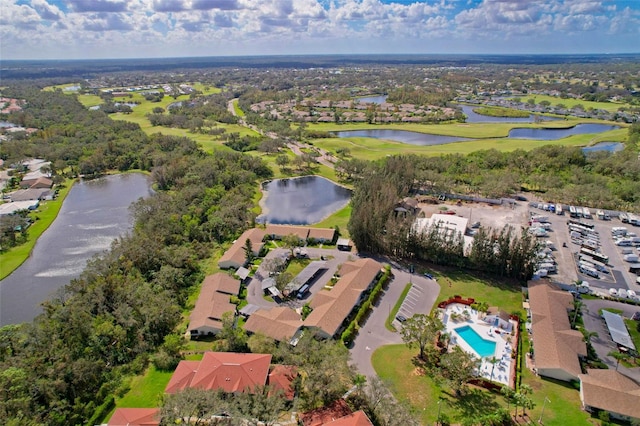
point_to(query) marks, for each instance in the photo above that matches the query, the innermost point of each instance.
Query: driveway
(373, 333)
(603, 343)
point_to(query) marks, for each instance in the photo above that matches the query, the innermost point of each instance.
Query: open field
(46, 214)
(570, 103)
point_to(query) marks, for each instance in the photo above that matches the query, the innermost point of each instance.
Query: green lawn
(570, 103)
(506, 296)
(339, 219)
(145, 390)
(44, 217)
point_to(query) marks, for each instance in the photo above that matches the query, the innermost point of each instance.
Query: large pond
(604, 146)
(379, 99)
(474, 117)
(417, 138)
(553, 134)
(94, 214)
(404, 136)
(302, 201)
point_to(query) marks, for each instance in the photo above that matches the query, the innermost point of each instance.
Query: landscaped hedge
(350, 332)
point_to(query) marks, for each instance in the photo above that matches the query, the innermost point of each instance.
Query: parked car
(428, 275)
(401, 318)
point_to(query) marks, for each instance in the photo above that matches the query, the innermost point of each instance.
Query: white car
(613, 292)
(638, 280)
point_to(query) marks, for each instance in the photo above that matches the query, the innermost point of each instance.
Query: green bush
(99, 414)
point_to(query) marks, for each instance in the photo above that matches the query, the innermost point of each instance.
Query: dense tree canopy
(107, 322)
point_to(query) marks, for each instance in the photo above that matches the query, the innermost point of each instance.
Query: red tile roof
(228, 371)
(359, 418)
(281, 378)
(324, 415)
(135, 417)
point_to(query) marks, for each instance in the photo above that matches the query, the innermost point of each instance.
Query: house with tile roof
(231, 372)
(235, 256)
(135, 417)
(359, 418)
(304, 233)
(332, 307)
(280, 323)
(557, 348)
(611, 391)
(213, 302)
(336, 414)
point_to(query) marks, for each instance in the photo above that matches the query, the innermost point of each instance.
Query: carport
(618, 330)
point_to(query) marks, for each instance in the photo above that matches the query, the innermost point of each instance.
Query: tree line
(375, 227)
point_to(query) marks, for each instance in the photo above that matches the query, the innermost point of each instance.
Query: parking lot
(419, 296)
(567, 250)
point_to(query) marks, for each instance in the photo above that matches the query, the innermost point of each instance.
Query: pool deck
(504, 367)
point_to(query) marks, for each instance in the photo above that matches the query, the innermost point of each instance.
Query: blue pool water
(483, 348)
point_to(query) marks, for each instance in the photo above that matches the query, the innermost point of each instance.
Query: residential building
(232, 372)
(332, 307)
(611, 391)
(280, 323)
(236, 256)
(557, 348)
(135, 417)
(213, 302)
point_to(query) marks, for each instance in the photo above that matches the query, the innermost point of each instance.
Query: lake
(404, 136)
(94, 214)
(553, 134)
(604, 146)
(380, 99)
(474, 117)
(302, 201)
(417, 138)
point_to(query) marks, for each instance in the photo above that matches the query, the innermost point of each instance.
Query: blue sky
(85, 29)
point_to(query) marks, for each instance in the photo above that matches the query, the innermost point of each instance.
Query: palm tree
(577, 305)
(493, 360)
(618, 356)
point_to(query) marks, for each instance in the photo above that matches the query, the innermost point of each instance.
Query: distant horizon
(327, 55)
(145, 29)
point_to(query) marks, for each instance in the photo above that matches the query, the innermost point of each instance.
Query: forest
(106, 324)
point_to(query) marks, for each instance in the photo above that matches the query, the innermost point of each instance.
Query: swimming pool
(482, 347)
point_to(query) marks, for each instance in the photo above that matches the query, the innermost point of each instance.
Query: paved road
(603, 343)
(373, 333)
(334, 259)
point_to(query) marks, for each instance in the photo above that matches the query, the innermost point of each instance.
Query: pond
(404, 136)
(301, 201)
(474, 117)
(604, 146)
(417, 138)
(94, 214)
(553, 134)
(380, 99)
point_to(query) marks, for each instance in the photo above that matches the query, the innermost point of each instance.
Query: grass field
(46, 214)
(570, 103)
(145, 390)
(339, 219)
